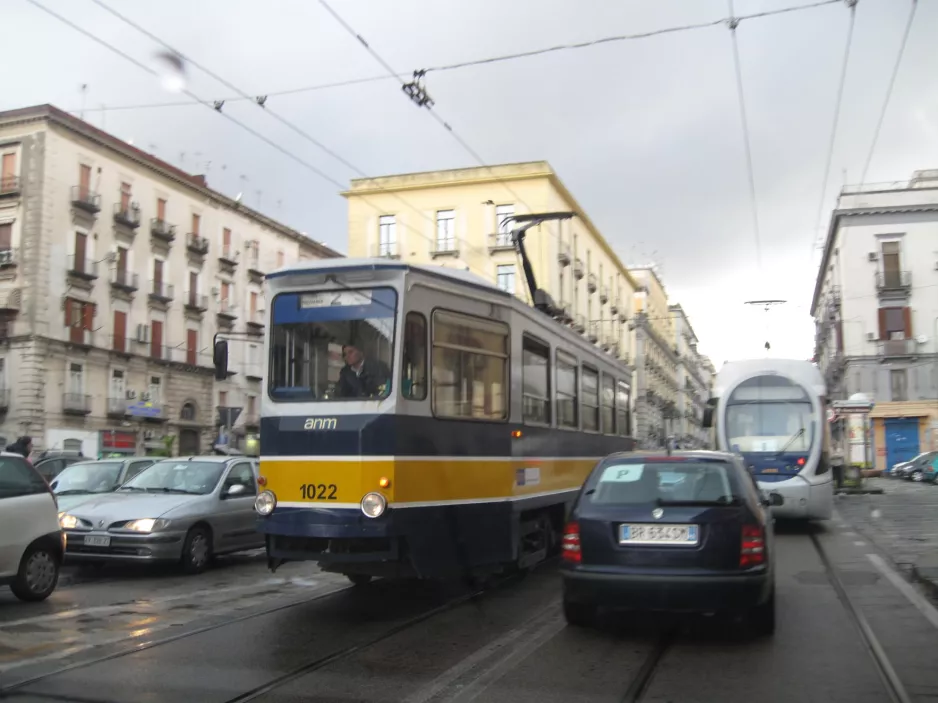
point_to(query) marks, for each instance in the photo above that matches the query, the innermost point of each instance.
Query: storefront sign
(114, 441)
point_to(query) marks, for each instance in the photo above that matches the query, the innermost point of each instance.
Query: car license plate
(94, 541)
(658, 534)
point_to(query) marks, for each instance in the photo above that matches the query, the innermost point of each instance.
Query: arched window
(187, 412)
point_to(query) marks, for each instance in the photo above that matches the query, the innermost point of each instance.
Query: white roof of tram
(376, 264)
(803, 372)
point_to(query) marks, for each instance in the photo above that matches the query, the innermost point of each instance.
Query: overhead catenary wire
(282, 120)
(852, 5)
(891, 85)
(483, 61)
(750, 172)
(228, 117)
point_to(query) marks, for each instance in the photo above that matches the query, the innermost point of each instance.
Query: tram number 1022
(318, 491)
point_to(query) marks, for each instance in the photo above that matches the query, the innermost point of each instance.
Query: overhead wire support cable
(200, 101)
(261, 102)
(733, 23)
(892, 83)
(852, 6)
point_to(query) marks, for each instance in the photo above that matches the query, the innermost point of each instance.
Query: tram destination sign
(344, 298)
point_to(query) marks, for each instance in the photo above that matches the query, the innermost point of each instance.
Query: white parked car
(31, 541)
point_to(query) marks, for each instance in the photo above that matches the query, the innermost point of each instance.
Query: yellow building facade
(457, 218)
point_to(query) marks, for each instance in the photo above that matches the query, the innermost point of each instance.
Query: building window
(226, 242)
(505, 277)
(155, 389)
(225, 291)
(223, 399)
(158, 277)
(892, 265)
(187, 413)
(566, 393)
(120, 331)
(251, 404)
(193, 288)
(6, 236)
(387, 235)
(118, 387)
(76, 380)
(622, 409)
(8, 172)
(470, 367)
(535, 381)
(192, 347)
(608, 404)
(590, 400)
(196, 224)
(156, 339)
(79, 319)
(161, 209)
(899, 384)
(503, 228)
(84, 181)
(125, 197)
(446, 230)
(79, 265)
(414, 376)
(280, 259)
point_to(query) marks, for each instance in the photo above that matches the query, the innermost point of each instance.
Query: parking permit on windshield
(622, 474)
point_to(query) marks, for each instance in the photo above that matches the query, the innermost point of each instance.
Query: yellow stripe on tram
(420, 481)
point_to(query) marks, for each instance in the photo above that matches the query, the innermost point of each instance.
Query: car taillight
(752, 551)
(571, 543)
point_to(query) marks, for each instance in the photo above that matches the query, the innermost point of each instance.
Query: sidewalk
(903, 524)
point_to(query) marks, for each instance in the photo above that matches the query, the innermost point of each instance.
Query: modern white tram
(773, 412)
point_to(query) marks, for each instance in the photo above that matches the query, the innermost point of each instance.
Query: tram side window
(536, 381)
(566, 394)
(590, 399)
(609, 404)
(622, 409)
(414, 372)
(469, 375)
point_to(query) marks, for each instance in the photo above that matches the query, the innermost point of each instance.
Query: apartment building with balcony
(459, 218)
(116, 270)
(694, 376)
(656, 393)
(875, 308)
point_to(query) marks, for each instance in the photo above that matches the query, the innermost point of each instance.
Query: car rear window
(636, 482)
(17, 478)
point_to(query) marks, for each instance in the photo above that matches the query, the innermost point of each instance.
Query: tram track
(884, 667)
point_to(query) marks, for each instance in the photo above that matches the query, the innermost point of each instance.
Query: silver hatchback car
(186, 510)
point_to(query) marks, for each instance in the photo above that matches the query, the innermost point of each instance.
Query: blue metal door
(902, 440)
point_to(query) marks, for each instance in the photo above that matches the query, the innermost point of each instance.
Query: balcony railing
(446, 247)
(8, 257)
(162, 292)
(579, 323)
(893, 280)
(227, 310)
(563, 254)
(255, 318)
(196, 302)
(117, 407)
(501, 241)
(160, 352)
(4, 399)
(897, 347)
(162, 230)
(614, 308)
(9, 185)
(127, 216)
(578, 269)
(125, 280)
(196, 244)
(254, 266)
(86, 199)
(604, 295)
(121, 343)
(76, 403)
(592, 283)
(229, 255)
(252, 419)
(82, 267)
(81, 336)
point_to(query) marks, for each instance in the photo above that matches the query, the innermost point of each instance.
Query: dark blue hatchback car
(682, 532)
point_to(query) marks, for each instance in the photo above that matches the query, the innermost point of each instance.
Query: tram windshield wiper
(789, 442)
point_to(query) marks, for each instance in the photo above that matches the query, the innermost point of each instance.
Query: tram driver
(362, 377)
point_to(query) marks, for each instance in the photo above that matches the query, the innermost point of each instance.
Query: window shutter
(907, 321)
(882, 323)
(68, 312)
(87, 313)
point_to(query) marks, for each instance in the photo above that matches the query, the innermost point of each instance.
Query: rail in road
(510, 643)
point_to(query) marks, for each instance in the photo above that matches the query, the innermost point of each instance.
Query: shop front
(117, 443)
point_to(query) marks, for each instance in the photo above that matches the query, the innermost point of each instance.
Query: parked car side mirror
(235, 490)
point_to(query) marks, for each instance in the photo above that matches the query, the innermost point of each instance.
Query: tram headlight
(265, 502)
(374, 504)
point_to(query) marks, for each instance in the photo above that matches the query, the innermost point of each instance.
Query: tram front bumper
(802, 500)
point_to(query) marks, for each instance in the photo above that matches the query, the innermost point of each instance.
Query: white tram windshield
(769, 414)
(332, 345)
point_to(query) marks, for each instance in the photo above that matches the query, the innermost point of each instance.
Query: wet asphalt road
(239, 633)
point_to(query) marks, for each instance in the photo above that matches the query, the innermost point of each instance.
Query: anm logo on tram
(320, 423)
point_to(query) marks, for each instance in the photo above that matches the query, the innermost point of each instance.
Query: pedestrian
(24, 446)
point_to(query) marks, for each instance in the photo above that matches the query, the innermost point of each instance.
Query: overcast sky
(645, 133)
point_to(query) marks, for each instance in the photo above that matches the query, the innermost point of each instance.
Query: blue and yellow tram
(419, 422)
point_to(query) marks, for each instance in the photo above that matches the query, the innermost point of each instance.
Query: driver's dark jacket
(374, 374)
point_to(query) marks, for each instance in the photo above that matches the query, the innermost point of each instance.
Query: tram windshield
(332, 345)
(770, 414)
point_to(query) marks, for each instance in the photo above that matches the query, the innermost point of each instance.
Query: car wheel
(196, 551)
(917, 476)
(38, 574)
(359, 579)
(579, 614)
(762, 617)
